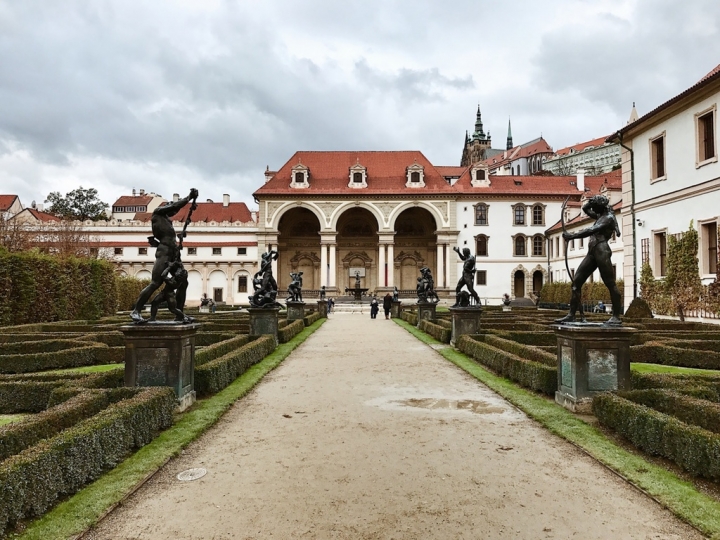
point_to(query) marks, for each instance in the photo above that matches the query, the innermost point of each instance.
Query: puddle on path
(471, 405)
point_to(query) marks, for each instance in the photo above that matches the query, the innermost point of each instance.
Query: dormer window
(479, 176)
(358, 176)
(415, 176)
(300, 176)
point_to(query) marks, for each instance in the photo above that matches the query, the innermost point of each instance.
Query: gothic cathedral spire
(509, 144)
(479, 133)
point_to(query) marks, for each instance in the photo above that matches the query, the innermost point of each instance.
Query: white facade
(593, 159)
(675, 188)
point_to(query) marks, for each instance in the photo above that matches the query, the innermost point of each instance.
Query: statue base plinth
(323, 308)
(591, 359)
(426, 311)
(465, 321)
(295, 310)
(506, 308)
(264, 321)
(162, 355)
(395, 309)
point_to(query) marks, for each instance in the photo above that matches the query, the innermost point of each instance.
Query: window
(242, 283)
(357, 177)
(142, 251)
(481, 214)
(582, 242)
(192, 251)
(706, 136)
(645, 250)
(660, 254)
(481, 277)
(614, 271)
(519, 215)
(572, 244)
(709, 248)
(557, 246)
(520, 246)
(415, 177)
(242, 251)
(118, 251)
(538, 215)
(538, 244)
(299, 177)
(217, 251)
(480, 174)
(657, 155)
(482, 246)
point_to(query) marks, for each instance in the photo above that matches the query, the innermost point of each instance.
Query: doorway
(218, 294)
(519, 284)
(537, 281)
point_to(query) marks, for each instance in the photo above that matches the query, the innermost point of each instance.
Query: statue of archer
(598, 257)
(168, 251)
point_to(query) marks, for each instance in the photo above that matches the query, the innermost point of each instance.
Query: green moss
(656, 368)
(10, 418)
(679, 496)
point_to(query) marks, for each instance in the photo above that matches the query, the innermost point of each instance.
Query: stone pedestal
(465, 320)
(323, 308)
(295, 310)
(507, 308)
(162, 354)
(395, 309)
(591, 359)
(426, 311)
(264, 321)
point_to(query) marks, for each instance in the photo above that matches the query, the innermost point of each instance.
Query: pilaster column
(328, 249)
(448, 275)
(323, 265)
(391, 265)
(381, 265)
(439, 266)
(386, 265)
(333, 265)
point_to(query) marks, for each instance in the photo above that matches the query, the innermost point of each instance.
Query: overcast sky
(168, 95)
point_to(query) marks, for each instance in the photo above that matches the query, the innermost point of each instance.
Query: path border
(666, 488)
(76, 516)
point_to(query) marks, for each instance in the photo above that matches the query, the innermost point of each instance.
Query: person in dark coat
(387, 304)
(374, 307)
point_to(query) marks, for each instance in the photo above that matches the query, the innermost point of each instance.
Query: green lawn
(88, 369)
(657, 368)
(679, 496)
(10, 418)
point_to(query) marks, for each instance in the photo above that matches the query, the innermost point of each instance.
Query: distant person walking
(387, 304)
(374, 307)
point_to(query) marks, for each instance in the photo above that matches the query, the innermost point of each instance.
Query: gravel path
(364, 432)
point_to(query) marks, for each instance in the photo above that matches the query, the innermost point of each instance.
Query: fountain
(357, 291)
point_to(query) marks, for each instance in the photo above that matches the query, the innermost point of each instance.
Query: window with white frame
(657, 158)
(300, 176)
(357, 176)
(538, 214)
(520, 246)
(481, 214)
(519, 214)
(709, 243)
(660, 248)
(538, 246)
(481, 245)
(415, 176)
(706, 135)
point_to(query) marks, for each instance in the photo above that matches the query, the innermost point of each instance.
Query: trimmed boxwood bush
(289, 331)
(665, 354)
(440, 333)
(700, 386)
(40, 346)
(527, 373)
(84, 354)
(694, 449)
(26, 396)
(219, 349)
(409, 317)
(698, 412)
(32, 481)
(309, 319)
(523, 351)
(526, 338)
(215, 375)
(205, 339)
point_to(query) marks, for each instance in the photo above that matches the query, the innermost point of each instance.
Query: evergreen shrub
(289, 331)
(437, 331)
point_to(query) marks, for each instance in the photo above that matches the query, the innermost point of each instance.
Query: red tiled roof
(526, 185)
(450, 171)
(330, 171)
(207, 212)
(612, 180)
(712, 76)
(537, 146)
(133, 200)
(581, 146)
(144, 243)
(42, 216)
(6, 201)
(581, 218)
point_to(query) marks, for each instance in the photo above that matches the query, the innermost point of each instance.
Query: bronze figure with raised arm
(598, 257)
(468, 276)
(165, 239)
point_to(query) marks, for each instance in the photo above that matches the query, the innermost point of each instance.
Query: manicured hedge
(205, 339)
(26, 396)
(32, 481)
(523, 351)
(289, 331)
(309, 319)
(700, 386)
(36, 288)
(525, 337)
(219, 349)
(445, 323)
(409, 317)
(440, 333)
(128, 290)
(84, 354)
(559, 292)
(662, 353)
(698, 412)
(694, 449)
(40, 346)
(215, 375)
(527, 373)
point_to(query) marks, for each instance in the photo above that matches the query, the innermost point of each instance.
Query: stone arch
(340, 210)
(434, 212)
(309, 264)
(407, 266)
(217, 280)
(356, 259)
(539, 278)
(238, 295)
(195, 288)
(285, 208)
(143, 274)
(519, 276)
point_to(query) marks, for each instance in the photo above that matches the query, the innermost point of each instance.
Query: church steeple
(509, 144)
(479, 133)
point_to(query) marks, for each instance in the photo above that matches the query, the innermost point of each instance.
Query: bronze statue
(598, 257)
(175, 277)
(295, 287)
(357, 280)
(168, 252)
(264, 284)
(468, 277)
(322, 292)
(396, 295)
(426, 287)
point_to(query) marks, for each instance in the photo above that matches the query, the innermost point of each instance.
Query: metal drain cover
(191, 474)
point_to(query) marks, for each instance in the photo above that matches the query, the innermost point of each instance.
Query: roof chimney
(209, 200)
(142, 192)
(226, 199)
(176, 197)
(134, 192)
(581, 179)
(268, 174)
